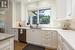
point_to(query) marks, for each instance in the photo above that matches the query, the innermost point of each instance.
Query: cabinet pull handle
(21, 31)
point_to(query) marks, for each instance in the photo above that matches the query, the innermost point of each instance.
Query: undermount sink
(36, 27)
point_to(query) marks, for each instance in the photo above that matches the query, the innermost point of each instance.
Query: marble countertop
(4, 36)
(69, 36)
(22, 27)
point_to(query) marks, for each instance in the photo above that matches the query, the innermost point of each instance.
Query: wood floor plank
(19, 45)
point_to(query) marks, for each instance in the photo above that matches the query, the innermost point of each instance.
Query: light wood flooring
(20, 46)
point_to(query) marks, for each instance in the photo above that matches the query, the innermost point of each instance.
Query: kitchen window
(40, 17)
(44, 16)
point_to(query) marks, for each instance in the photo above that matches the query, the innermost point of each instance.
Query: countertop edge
(7, 37)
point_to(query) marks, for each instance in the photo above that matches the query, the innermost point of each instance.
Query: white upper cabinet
(68, 8)
(73, 8)
(61, 7)
(64, 9)
(18, 14)
(4, 3)
(62, 44)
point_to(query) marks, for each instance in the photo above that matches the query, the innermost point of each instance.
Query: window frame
(41, 25)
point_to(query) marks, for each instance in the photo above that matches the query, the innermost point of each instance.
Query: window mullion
(38, 17)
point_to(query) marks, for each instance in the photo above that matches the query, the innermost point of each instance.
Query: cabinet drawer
(46, 35)
(5, 42)
(45, 44)
(49, 39)
(46, 39)
(7, 47)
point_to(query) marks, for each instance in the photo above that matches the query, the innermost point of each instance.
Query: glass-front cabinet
(4, 3)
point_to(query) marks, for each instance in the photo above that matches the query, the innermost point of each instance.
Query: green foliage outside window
(44, 19)
(44, 16)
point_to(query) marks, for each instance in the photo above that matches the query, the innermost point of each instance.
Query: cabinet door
(49, 39)
(16, 14)
(68, 8)
(6, 48)
(73, 8)
(59, 47)
(46, 38)
(64, 9)
(59, 42)
(34, 36)
(61, 9)
(66, 46)
(63, 45)
(54, 39)
(12, 43)
(7, 44)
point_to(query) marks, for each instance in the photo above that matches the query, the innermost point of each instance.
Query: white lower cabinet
(42, 38)
(6, 48)
(65, 46)
(62, 44)
(59, 43)
(33, 36)
(49, 39)
(7, 44)
(59, 47)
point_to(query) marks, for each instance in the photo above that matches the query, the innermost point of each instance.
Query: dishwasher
(22, 35)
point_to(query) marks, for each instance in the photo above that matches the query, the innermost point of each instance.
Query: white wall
(16, 17)
(42, 4)
(73, 8)
(8, 22)
(8, 19)
(49, 4)
(73, 15)
(45, 4)
(72, 21)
